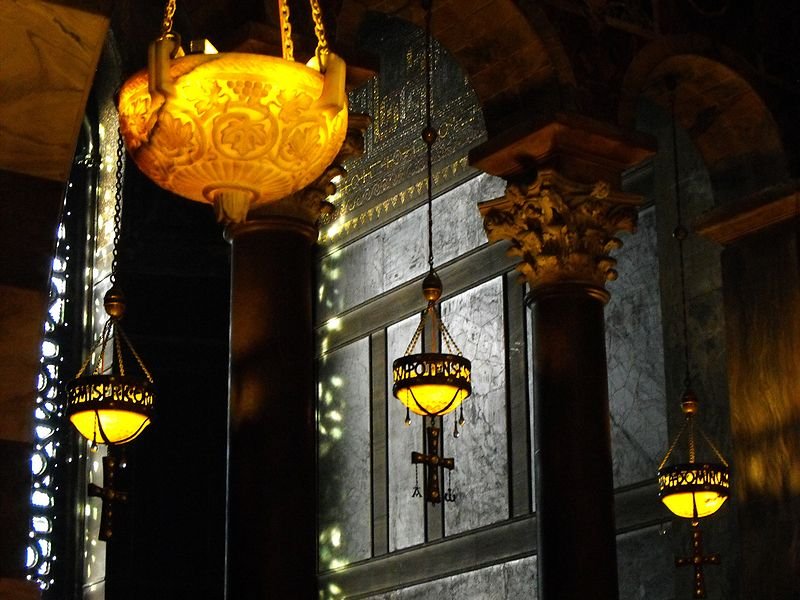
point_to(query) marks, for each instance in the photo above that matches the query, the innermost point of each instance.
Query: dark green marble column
(271, 542)
(563, 232)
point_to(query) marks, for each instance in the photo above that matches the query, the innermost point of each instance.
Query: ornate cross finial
(433, 462)
(109, 496)
(562, 230)
(697, 560)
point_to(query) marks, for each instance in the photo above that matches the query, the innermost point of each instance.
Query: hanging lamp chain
(319, 31)
(287, 46)
(166, 23)
(713, 447)
(135, 354)
(438, 325)
(286, 30)
(429, 134)
(674, 444)
(680, 234)
(117, 207)
(692, 445)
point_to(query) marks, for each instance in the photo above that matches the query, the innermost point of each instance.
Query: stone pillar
(761, 292)
(271, 544)
(562, 223)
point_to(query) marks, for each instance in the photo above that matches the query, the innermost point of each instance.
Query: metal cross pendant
(109, 495)
(697, 560)
(433, 462)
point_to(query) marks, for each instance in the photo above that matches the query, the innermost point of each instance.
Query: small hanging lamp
(232, 129)
(692, 489)
(111, 407)
(432, 384)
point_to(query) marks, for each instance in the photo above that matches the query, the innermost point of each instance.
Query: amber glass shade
(236, 130)
(109, 409)
(432, 384)
(694, 490)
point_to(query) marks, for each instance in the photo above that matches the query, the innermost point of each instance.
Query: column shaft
(564, 231)
(271, 540)
(574, 484)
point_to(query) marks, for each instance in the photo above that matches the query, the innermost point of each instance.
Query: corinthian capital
(562, 231)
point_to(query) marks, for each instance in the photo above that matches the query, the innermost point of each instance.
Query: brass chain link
(169, 14)
(418, 332)
(286, 30)
(319, 31)
(139, 360)
(674, 444)
(117, 206)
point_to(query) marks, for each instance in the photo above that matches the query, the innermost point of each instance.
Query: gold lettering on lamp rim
(563, 231)
(432, 384)
(109, 390)
(117, 407)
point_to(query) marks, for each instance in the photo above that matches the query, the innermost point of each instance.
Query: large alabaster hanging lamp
(108, 402)
(232, 129)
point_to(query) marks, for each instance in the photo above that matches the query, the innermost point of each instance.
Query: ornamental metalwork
(109, 392)
(449, 370)
(692, 477)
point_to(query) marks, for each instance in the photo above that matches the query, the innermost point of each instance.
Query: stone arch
(728, 121)
(510, 52)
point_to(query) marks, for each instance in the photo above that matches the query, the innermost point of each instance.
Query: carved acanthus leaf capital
(562, 231)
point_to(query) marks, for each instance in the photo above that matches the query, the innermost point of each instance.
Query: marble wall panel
(457, 224)
(344, 447)
(514, 580)
(480, 479)
(531, 395)
(635, 353)
(406, 514)
(398, 252)
(406, 247)
(350, 275)
(645, 565)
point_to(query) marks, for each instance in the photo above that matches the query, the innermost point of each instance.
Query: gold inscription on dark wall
(390, 176)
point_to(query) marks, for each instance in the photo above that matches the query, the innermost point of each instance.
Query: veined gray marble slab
(635, 354)
(406, 514)
(345, 482)
(398, 252)
(480, 479)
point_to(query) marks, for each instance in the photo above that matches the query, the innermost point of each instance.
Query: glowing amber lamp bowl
(694, 490)
(109, 409)
(233, 129)
(432, 384)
